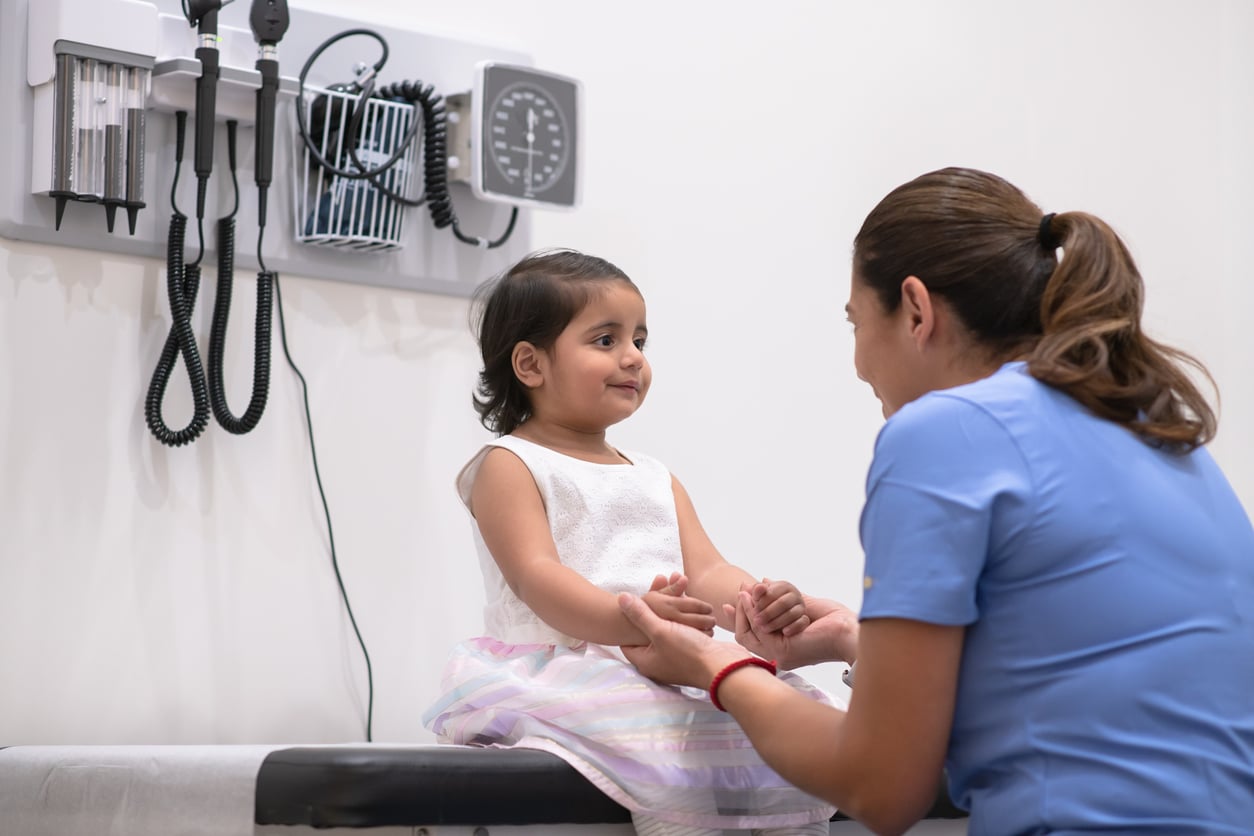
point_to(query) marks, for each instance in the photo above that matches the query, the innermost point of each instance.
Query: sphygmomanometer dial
(528, 132)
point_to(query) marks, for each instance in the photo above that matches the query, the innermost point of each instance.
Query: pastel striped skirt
(660, 751)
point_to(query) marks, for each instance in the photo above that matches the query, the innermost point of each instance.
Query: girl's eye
(604, 340)
(639, 341)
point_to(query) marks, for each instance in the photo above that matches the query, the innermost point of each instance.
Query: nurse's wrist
(718, 657)
(732, 667)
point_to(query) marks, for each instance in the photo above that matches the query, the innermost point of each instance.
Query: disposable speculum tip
(61, 201)
(132, 212)
(111, 211)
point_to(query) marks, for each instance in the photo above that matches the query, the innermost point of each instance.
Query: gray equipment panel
(429, 260)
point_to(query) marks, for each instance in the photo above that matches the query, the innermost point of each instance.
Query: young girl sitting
(564, 522)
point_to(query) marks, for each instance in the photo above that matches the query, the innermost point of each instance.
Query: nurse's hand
(676, 654)
(832, 635)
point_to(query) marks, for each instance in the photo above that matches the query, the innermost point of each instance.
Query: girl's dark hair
(981, 244)
(532, 302)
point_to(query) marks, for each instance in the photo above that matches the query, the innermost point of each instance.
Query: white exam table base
(129, 790)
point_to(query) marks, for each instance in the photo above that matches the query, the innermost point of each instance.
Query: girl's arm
(710, 577)
(510, 513)
(881, 761)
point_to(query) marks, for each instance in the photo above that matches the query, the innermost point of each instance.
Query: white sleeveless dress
(661, 751)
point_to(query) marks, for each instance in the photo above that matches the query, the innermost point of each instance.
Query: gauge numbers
(528, 134)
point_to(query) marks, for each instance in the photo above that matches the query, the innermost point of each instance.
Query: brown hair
(532, 302)
(978, 242)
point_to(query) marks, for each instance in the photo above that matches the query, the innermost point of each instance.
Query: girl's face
(597, 374)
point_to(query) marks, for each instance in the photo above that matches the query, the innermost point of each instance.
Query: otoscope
(183, 277)
(203, 14)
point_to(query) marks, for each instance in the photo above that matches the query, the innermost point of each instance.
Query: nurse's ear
(529, 364)
(918, 311)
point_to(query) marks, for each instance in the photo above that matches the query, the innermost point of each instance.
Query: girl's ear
(528, 362)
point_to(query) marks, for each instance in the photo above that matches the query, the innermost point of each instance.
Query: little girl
(564, 522)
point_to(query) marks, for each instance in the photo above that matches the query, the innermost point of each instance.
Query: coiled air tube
(182, 283)
(435, 159)
(221, 313)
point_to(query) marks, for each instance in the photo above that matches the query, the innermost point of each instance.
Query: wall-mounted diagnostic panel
(400, 157)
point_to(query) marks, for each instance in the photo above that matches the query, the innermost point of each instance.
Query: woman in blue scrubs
(1059, 580)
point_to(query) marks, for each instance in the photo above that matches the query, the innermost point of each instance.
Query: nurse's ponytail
(1092, 346)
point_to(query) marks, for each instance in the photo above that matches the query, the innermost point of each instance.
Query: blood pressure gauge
(526, 130)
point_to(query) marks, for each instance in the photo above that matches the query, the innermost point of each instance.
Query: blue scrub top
(1107, 586)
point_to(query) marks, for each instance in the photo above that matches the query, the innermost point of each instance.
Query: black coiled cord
(434, 144)
(182, 283)
(222, 312)
(435, 159)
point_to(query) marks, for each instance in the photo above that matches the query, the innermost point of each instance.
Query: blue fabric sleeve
(943, 493)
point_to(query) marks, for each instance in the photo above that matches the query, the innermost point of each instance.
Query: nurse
(1059, 580)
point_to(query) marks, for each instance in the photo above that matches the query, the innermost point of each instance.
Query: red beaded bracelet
(735, 666)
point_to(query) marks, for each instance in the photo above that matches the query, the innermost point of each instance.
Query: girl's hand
(779, 607)
(675, 654)
(667, 599)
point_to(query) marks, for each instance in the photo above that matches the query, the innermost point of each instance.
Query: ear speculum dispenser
(89, 102)
(98, 134)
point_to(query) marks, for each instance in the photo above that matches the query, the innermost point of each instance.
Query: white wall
(186, 595)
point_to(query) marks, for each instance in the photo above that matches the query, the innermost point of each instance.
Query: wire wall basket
(343, 212)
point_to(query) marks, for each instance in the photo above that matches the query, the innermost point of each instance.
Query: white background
(157, 595)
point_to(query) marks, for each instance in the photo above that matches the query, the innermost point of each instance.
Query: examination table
(367, 789)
